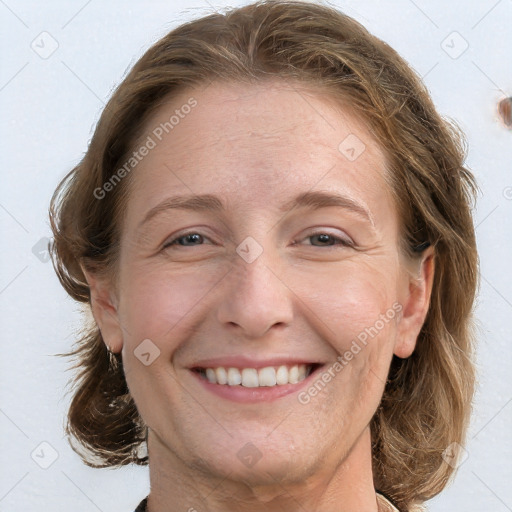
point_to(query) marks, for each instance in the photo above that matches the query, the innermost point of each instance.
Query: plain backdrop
(60, 60)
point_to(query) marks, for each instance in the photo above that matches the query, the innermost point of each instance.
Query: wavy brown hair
(427, 400)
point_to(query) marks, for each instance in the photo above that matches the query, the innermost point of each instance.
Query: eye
(320, 239)
(324, 239)
(190, 239)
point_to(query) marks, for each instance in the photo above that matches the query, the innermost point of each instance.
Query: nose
(255, 299)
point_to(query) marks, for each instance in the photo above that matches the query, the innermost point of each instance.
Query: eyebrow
(207, 202)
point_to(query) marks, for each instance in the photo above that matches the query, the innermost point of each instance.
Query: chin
(268, 471)
(258, 463)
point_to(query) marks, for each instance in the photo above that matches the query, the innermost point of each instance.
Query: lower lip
(253, 395)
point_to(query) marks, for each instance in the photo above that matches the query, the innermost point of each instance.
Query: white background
(48, 110)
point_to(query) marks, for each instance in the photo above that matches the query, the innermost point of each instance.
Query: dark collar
(142, 505)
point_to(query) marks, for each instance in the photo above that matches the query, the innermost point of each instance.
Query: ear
(104, 310)
(416, 301)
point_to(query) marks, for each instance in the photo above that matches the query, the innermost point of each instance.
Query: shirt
(384, 505)
(142, 505)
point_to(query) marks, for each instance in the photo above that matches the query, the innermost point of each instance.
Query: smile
(246, 380)
(268, 376)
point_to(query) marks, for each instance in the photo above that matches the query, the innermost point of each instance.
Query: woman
(272, 228)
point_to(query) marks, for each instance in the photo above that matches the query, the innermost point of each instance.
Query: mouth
(268, 376)
(247, 384)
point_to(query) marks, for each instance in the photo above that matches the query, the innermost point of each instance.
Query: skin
(256, 147)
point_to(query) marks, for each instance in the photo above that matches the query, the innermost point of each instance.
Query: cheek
(356, 311)
(352, 301)
(156, 301)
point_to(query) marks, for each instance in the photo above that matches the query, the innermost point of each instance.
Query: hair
(427, 399)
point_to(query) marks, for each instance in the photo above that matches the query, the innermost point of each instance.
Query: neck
(333, 486)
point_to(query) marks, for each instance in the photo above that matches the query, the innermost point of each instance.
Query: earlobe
(415, 305)
(104, 310)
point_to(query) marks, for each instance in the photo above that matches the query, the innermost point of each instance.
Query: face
(284, 271)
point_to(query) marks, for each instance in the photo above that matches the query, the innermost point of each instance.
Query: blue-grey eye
(190, 239)
(326, 240)
(186, 240)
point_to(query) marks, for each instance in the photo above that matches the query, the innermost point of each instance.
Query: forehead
(258, 145)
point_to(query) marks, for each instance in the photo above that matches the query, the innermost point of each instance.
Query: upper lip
(252, 362)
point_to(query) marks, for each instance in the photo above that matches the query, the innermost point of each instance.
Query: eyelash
(339, 241)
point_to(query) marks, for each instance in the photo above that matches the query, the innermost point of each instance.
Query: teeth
(222, 376)
(293, 375)
(282, 375)
(234, 377)
(250, 378)
(210, 375)
(267, 376)
(253, 378)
